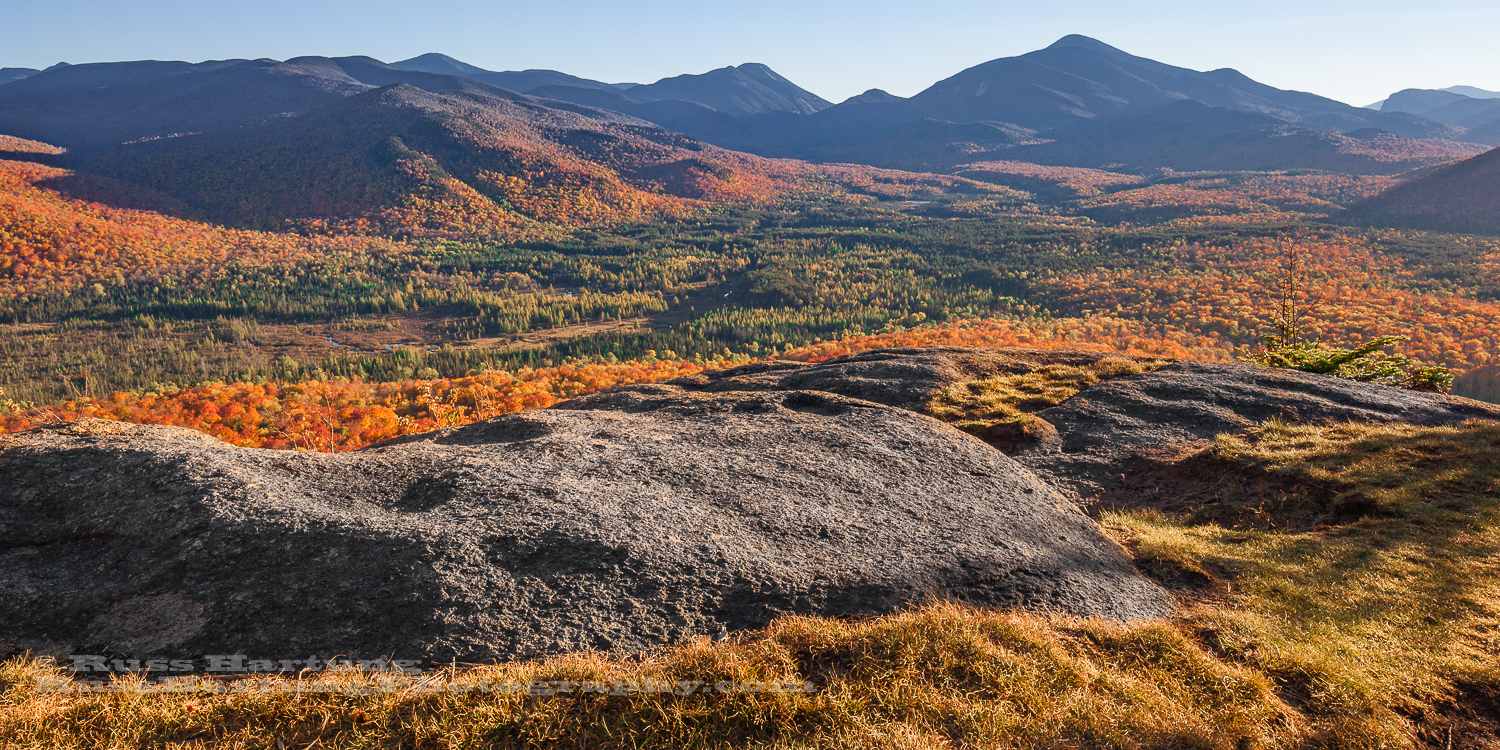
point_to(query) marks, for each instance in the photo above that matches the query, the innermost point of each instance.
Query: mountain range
(747, 89)
(1078, 102)
(103, 105)
(258, 142)
(1070, 94)
(15, 74)
(1475, 110)
(1469, 91)
(515, 80)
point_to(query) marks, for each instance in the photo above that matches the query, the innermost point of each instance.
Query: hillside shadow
(51, 160)
(121, 194)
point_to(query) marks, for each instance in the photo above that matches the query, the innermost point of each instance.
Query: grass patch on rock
(998, 409)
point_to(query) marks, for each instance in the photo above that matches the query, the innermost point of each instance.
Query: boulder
(619, 521)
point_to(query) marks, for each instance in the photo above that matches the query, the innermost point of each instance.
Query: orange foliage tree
(341, 414)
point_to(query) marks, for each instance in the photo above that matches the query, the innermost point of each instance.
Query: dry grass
(1371, 631)
(939, 676)
(1382, 609)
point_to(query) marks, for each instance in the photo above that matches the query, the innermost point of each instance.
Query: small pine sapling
(1291, 348)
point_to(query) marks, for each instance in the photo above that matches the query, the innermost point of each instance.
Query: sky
(1356, 52)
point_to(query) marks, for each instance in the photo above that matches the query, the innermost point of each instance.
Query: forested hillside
(1459, 197)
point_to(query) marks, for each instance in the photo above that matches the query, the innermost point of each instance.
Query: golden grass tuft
(941, 675)
(998, 407)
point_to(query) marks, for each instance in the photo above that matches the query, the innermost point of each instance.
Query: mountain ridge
(399, 160)
(1460, 197)
(1078, 102)
(1477, 111)
(15, 74)
(519, 81)
(103, 105)
(747, 89)
(1072, 87)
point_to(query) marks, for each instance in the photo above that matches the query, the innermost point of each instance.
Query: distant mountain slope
(1191, 136)
(748, 89)
(1471, 91)
(1462, 197)
(400, 160)
(1078, 102)
(88, 107)
(63, 230)
(102, 104)
(1475, 110)
(1468, 113)
(353, 145)
(516, 80)
(15, 74)
(1419, 101)
(1488, 133)
(433, 62)
(1082, 78)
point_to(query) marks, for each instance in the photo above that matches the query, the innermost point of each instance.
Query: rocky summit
(1110, 428)
(619, 521)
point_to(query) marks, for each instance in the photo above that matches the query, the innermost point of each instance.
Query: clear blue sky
(1354, 51)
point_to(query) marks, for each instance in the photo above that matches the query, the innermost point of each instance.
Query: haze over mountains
(15, 74)
(1469, 91)
(1475, 110)
(100, 105)
(515, 80)
(751, 88)
(1095, 104)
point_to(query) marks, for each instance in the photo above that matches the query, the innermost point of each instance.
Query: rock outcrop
(619, 521)
(626, 519)
(894, 377)
(1109, 427)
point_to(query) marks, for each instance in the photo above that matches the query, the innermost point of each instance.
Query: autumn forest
(359, 290)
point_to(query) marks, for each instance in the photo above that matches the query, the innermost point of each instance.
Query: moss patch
(998, 409)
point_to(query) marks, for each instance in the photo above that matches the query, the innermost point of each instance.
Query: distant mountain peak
(1472, 92)
(763, 73)
(434, 62)
(1084, 42)
(1229, 74)
(1419, 101)
(874, 96)
(15, 74)
(751, 88)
